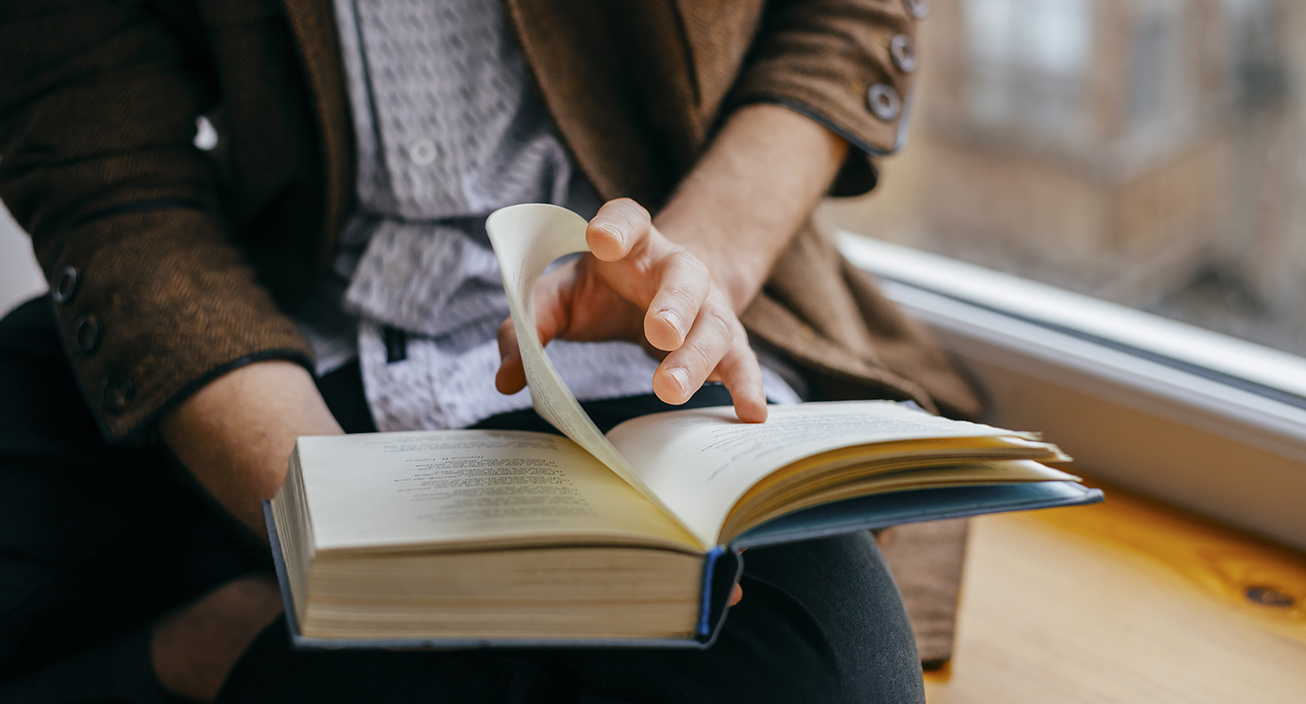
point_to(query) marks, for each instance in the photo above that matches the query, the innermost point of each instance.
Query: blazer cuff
(846, 64)
(152, 306)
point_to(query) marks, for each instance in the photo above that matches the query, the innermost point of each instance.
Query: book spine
(705, 612)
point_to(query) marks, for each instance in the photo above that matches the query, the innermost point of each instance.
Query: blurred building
(1151, 152)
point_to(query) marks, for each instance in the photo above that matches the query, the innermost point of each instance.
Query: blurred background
(1148, 152)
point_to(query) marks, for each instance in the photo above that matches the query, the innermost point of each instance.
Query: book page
(700, 461)
(526, 239)
(471, 488)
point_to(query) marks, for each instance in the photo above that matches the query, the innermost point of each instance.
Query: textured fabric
(209, 328)
(783, 70)
(447, 129)
(96, 541)
(926, 560)
(98, 102)
(447, 124)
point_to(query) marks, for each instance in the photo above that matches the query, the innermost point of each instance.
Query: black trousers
(97, 541)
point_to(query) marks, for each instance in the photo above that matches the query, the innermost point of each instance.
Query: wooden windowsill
(1125, 601)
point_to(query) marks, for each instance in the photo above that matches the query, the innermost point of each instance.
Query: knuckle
(707, 347)
(701, 356)
(718, 324)
(741, 337)
(632, 209)
(643, 269)
(681, 291)
(629, 215)
(690, 264)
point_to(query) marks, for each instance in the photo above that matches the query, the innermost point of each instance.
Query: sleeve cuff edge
(142, 431)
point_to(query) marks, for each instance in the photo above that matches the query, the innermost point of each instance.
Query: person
(323, 270)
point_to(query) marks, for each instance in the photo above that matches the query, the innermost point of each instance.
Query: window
(1148, 152)
(1028, 64)
(1113, 167)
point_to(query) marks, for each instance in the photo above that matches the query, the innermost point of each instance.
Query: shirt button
(116, 392)
(65, 285)
(884, 102)
(86, 333)
(918, 8)
(903, 52)
(422, 151)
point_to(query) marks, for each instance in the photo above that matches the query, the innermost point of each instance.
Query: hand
(639, 286)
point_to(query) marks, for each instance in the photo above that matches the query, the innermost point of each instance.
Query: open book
(462, 538)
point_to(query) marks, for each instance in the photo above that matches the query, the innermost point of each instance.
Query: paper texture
(471, 487)
(701, 461)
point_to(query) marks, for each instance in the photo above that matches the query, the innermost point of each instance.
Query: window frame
(1194, 418)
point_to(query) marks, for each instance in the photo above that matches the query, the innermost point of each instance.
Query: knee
(826, 623)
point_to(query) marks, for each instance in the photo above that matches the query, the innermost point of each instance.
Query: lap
(820, 621)
(96, 540)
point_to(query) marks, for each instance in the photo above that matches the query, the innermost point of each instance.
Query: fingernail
(681, 376)
(614, 232)
(672, 320)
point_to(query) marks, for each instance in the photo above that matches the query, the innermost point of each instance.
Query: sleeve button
(116, 392)
(903, 53)
(884, 102)
(86, 333)
(65, 285)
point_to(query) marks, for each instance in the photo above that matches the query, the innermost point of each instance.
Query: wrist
(236, 433)
(741, 205)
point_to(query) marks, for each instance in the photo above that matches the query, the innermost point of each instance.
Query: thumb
(551, 317)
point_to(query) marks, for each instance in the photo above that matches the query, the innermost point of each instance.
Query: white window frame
(1197, 419)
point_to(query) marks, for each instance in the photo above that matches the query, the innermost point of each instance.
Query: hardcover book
(466, 538)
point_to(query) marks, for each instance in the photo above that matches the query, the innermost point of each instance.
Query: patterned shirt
(448, 129)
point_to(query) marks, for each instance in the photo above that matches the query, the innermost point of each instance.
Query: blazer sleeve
(846, 64)
(98, 108)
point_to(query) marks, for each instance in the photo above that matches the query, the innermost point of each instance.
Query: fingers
(736, 593)
(716, 347)
(551, 316)
(511, 376)
(742, 376)
(682, 312)
(683, 287)
(620, 227)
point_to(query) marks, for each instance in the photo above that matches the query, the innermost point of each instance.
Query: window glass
(1148, 152)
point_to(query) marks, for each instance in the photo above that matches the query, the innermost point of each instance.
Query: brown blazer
(170, 266)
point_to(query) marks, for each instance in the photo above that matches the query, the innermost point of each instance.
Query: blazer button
(884, 102)
(65, 285)
(116, 392)
(918, 8)
(86, 333)
(903, 53)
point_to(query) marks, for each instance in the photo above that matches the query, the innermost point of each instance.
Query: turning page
(526, 239)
